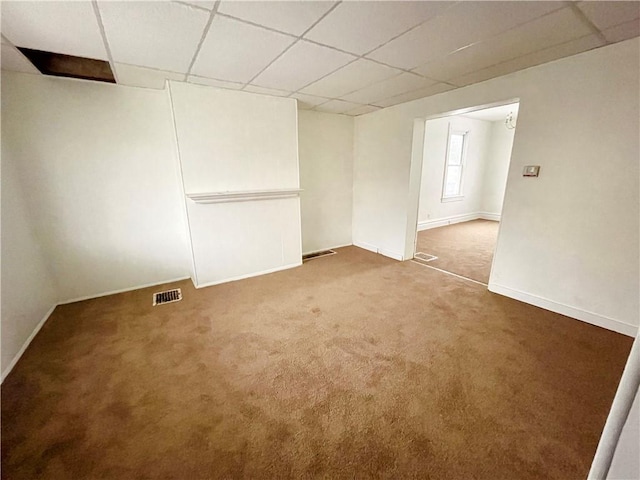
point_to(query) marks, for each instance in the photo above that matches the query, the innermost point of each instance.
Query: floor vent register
(168, 296)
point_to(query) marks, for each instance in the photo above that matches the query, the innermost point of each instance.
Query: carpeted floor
(351, 366)
(462, 248)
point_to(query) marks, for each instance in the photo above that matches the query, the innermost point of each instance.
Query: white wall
(496, 167)
(97, 164)
(568, 239)
(431, 207)
(238, 142)
(626, 459)
(28, 288)
(326, 177)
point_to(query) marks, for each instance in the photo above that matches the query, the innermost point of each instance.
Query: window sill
(457, 198)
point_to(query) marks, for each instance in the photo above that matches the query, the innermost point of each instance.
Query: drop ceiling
(350, 57)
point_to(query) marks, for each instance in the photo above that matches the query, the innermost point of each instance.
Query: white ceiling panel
(14, 61)
(308, 101)
(361, 26)
(208, 4)
(300, 65)
(362, 110)
(212, 82)
(459, 26)
(160, 35)
(547, 55)
(553, 29)
(266, 91)
(144, 77)
(403, 83)
(414, 95)
(623, 31)
(336, 106)
(354, 76)
(236, 51)
(609, 14)
(291, 17)
(61, 27)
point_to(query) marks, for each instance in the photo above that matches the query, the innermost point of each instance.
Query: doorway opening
(465, 163)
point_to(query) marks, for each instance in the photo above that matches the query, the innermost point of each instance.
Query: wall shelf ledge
(243, 196)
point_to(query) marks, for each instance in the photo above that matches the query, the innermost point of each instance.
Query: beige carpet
(351, 366)
(462, 248)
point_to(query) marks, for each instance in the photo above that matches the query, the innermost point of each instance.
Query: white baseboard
(391, 254)
(489, 216)
(381, 251)
(249, 275)
(366, 246)
(26, 344)
(328, 248)
(466, 217)
(114, 292)
(573, 312)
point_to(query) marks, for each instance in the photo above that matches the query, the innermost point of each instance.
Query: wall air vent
(168, 296)
(61, 65)
(323, 253)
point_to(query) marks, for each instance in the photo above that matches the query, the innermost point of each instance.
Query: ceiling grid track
(103, 33)
(205, 32)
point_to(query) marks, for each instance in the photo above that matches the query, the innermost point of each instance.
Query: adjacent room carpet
(462, 248)
(350, 366)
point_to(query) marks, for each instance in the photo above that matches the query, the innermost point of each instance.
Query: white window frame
(465, 142)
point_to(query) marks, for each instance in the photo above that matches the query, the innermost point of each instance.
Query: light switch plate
(531, 171)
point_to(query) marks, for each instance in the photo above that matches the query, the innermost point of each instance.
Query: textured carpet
(463, 248)
(351, 366)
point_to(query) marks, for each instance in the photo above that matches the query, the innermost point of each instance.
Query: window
(454, 165)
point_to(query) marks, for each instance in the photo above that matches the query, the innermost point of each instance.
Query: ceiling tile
(236, 51)
(212, 82)
(354, 76)
(420, 93)
(266, 91)
(290, 17)
(623, 31)
(144, 77)
(160, 35)
(403, 83)
(60, 27)
(308, 101)
(200, 3)
(609, 14)
(300, 65)
(14, 61)
(553, 29)
(461, 25)
(359, 27)
(362, 110)
(543, 56)
(336, 106)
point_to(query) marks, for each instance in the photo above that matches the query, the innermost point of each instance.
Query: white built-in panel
(239, 158)
(240, 239)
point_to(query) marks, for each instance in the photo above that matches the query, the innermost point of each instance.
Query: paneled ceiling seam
(103, 33)
(333, 7)
(412, 28)
(154, 69)
(585, 20)
(520, 56)
(205, 32)
(190, 5)
(491, 37)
